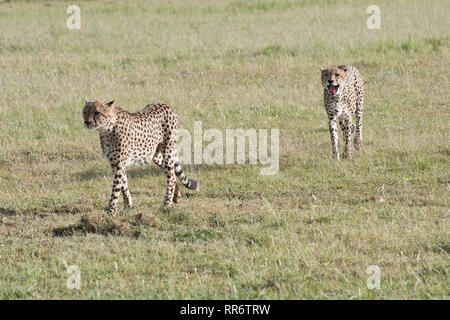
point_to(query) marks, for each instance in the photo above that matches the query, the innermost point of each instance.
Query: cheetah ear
(86, 101)
(343, 68)
(322, 70)
(110, 104)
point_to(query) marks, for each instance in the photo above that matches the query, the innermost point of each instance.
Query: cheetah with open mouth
(343, 93)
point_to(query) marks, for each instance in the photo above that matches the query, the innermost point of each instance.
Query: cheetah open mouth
(333, 89)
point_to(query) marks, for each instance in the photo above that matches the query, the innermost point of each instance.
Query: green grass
(309, 231)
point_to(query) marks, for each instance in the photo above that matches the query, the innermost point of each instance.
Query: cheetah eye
(96, 113)
(337, 75)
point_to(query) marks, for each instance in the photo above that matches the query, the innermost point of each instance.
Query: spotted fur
(135, 139)
(343, 97)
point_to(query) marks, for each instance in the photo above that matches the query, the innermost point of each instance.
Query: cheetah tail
(187, 182)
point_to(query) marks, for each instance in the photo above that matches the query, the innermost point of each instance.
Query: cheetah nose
(87, 123)
(330, 81)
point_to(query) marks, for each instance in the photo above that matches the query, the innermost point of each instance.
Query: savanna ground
(309, 231)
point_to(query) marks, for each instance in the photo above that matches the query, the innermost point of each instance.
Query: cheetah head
(98, 114)
(333, 79)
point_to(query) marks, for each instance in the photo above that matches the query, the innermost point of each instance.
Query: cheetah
(343, 95)
(134, 139)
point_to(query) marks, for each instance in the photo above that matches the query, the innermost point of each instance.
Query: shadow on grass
(324, 220)
(441, 246)
(146, 171)
(106, 225)
(132, 172)
(7, 212)
(42, 212)
(96, 173)
(91, 174)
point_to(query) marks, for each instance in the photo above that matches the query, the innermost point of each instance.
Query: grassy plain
(309, 231)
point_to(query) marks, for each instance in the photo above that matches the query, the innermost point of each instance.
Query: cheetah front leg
(116, 189)
(169, 168)
(358, 137)
(128, 201)
(171, 183)
(334, 138)
(346, 126)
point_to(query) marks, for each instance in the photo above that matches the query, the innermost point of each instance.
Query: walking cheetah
(343, 95)
(134, 139)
